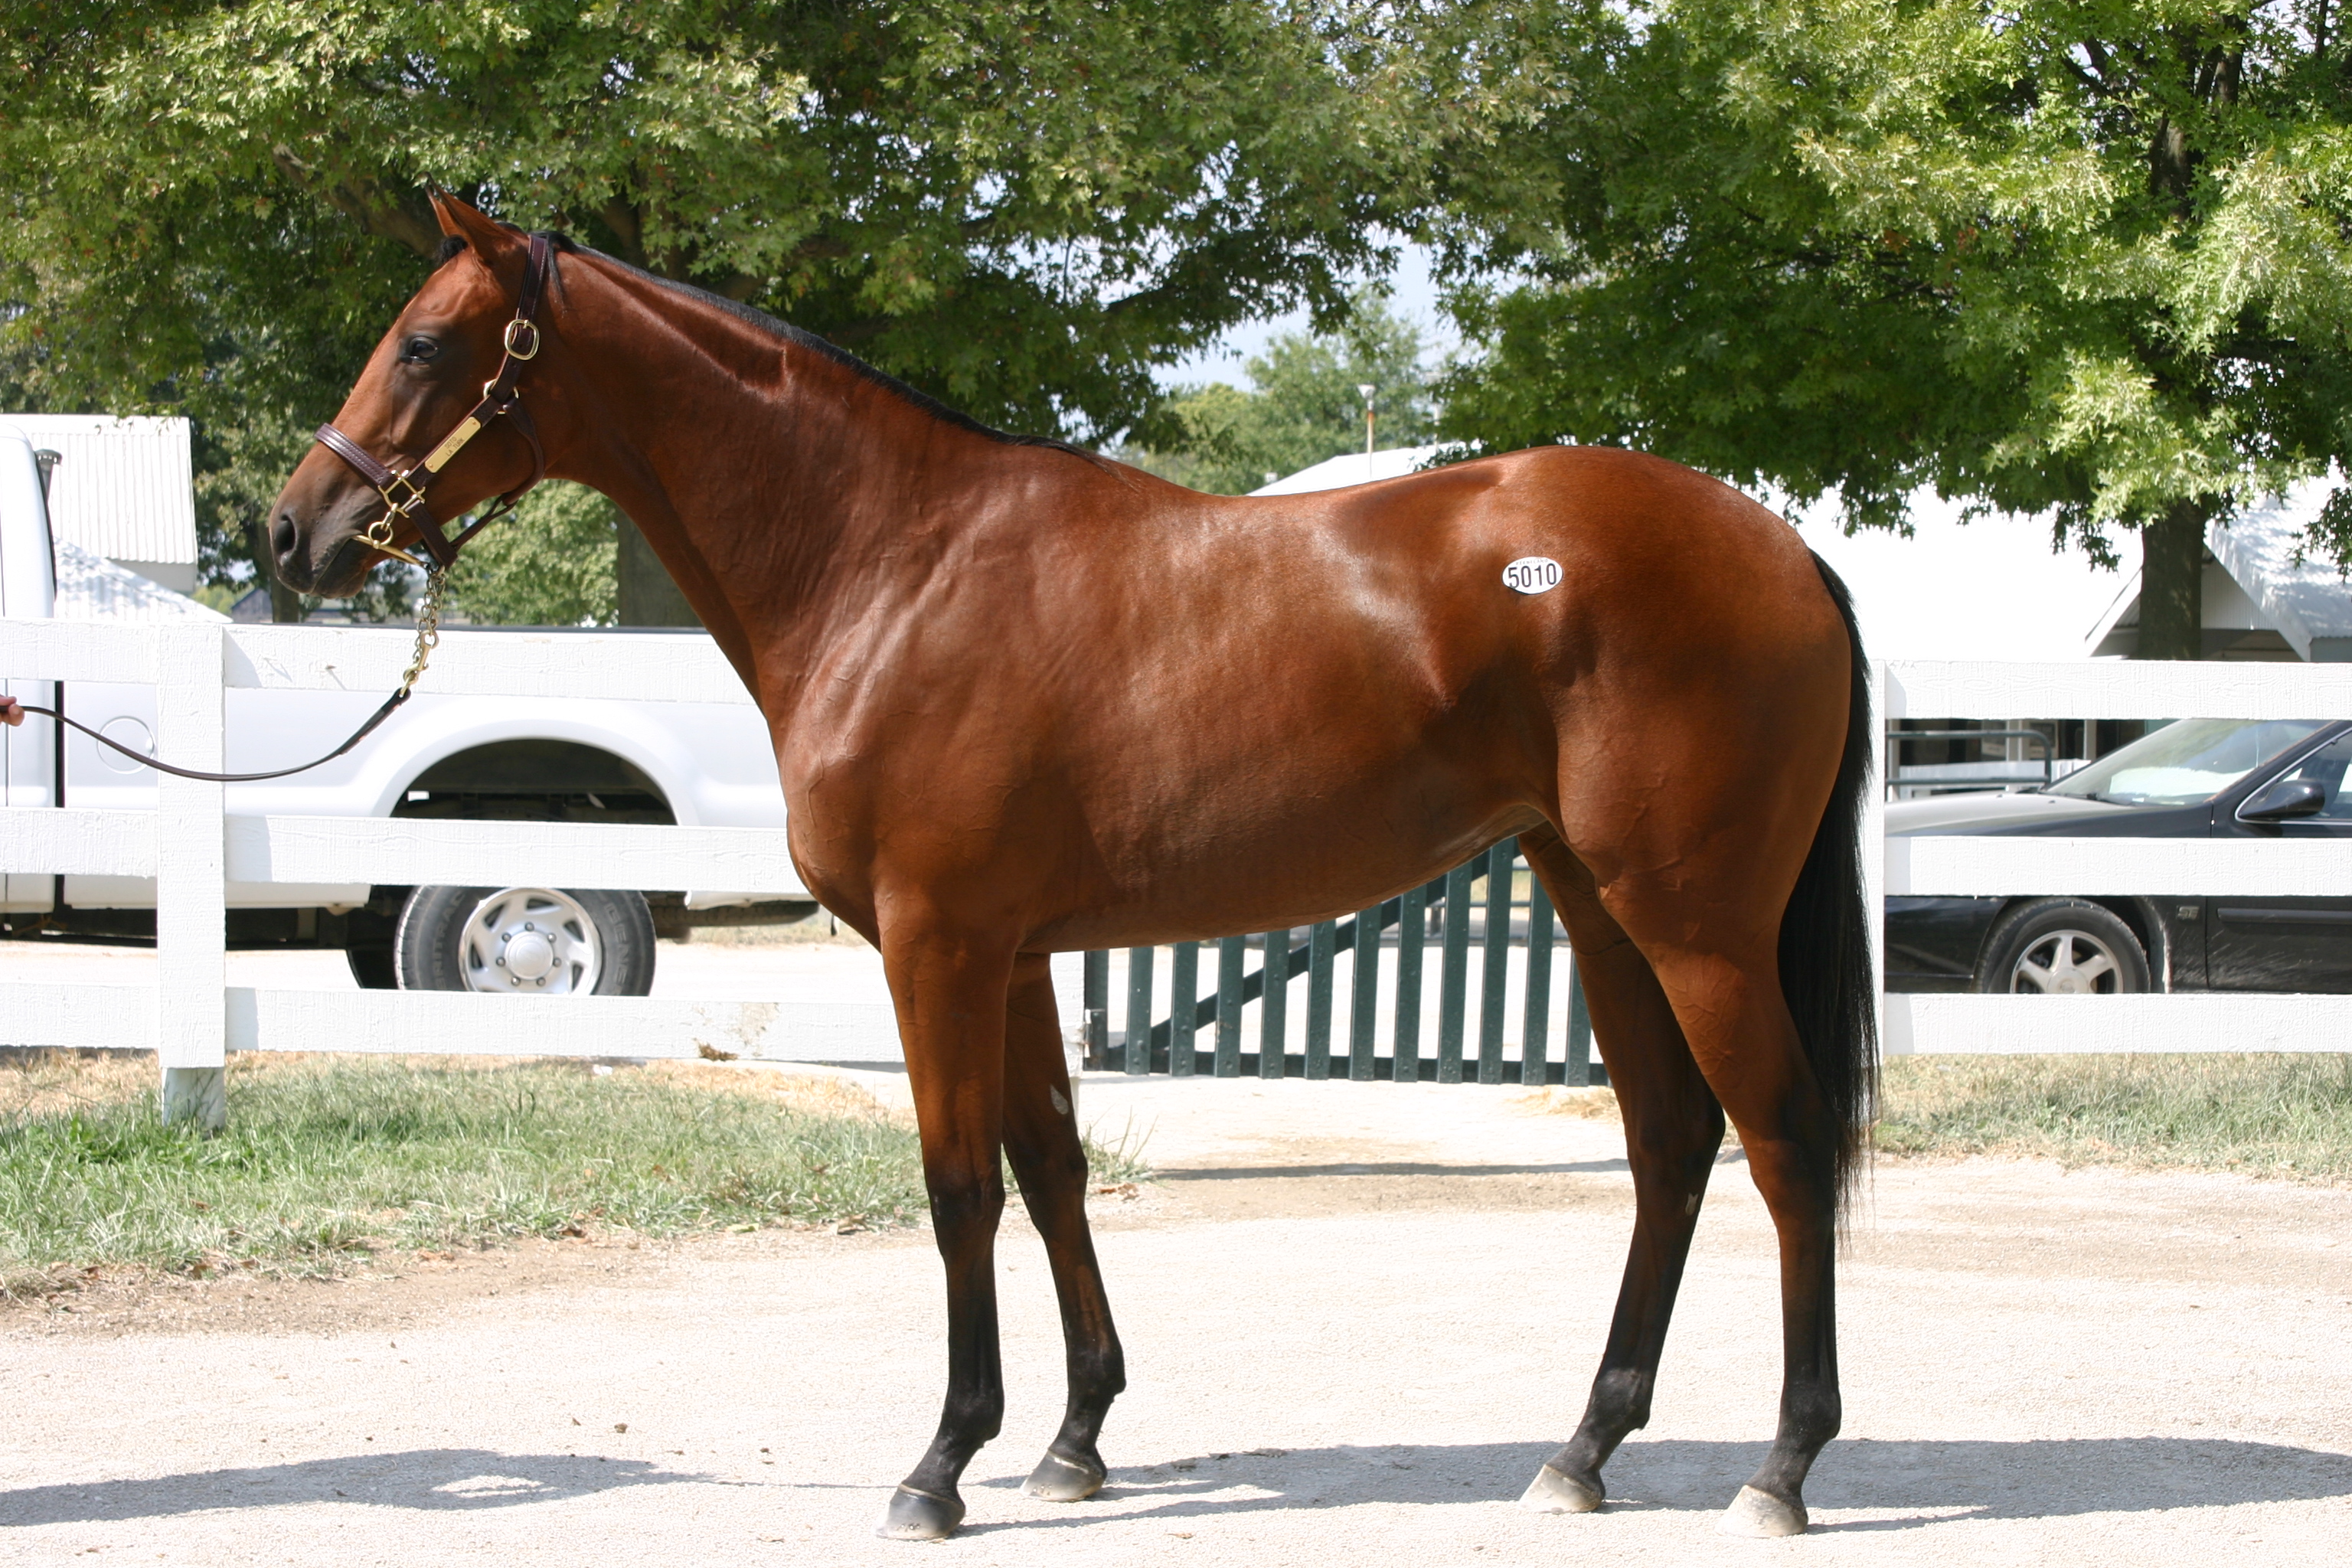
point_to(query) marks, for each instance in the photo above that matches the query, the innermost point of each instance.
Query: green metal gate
(1483, 891)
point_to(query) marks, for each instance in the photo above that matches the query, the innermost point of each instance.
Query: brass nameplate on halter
(466, 431)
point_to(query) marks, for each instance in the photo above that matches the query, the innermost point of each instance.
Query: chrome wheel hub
(536, 941)
(2066, 964)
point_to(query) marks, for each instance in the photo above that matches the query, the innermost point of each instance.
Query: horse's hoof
(1555, 1491)
(920, 1516)
(1761, 1516)
(1057, 1479)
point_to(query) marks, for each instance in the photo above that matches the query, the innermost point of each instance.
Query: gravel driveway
(1357, 1318)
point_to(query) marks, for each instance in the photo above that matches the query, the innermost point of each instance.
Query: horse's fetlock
(1621, 1401)
(1100, 1377)
(1811, 1416)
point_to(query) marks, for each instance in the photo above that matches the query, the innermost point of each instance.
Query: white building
(122, 488)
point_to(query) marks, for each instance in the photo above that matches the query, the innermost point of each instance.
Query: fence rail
(1996, 867)
(192, 847)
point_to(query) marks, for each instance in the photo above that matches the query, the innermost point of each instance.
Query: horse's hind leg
(951, 1000)
(1041, 1135)
(1742, 1036)
(1673, 1128)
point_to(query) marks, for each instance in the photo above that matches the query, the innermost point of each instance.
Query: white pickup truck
(577, 760)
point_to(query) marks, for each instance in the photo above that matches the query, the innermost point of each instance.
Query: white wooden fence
(2155, 868)
(192, 1017)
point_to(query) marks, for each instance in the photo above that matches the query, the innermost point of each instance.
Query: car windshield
(2186, 762)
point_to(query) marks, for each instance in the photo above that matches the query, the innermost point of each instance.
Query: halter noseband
(404, 491)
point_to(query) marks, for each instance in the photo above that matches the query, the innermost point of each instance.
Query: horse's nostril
(281, 538)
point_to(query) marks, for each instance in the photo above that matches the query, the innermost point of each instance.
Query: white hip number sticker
(1532, 574)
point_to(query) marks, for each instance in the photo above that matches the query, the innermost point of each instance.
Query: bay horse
(1020, 703)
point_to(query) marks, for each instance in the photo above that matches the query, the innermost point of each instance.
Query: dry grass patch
(2272, 1114)
(1586, 1104)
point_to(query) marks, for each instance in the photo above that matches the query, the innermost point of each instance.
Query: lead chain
(428, 627)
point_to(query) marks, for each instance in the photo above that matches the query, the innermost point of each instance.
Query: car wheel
(2062, 947)
(529, 941)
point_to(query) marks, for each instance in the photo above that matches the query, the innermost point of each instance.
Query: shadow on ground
(1393, 1168)
(455, 1479)
(1931, 1482)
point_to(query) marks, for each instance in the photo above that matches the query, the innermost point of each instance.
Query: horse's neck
(784, 523)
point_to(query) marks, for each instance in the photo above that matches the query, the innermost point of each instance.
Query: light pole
(1367, 389)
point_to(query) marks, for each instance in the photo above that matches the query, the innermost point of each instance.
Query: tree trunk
(647, 597)
(2172, 582)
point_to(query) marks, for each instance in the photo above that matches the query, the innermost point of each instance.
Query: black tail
(1826, 932)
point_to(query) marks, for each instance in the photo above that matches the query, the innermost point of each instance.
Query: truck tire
(532, 942)
(2055, 947)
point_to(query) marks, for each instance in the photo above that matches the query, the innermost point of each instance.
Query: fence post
(1233, 952)
(1183, 1007)
(1364, 995)
(1874, 860)
(1454, 984)
(1274, 1005)
(1495, 964)
(191, 879)
(1413, 922)
(1094, 993)
(1535, 1033)
(1580, 1066)
(1138, 1010)
(1322, 950)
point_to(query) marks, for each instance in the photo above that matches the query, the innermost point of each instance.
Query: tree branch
(407, 217)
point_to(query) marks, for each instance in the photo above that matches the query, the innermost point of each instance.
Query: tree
(1020, 206)
(1303, 406)
(549, 564)
(2093, 256)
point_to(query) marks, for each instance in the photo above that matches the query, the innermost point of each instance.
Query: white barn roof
(1350, 469)
(1992, 588)
(125, 488)
(92, 588)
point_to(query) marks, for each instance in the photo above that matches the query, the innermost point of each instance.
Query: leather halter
(404, 488)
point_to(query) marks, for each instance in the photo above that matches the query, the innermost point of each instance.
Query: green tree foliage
(2091, 256)
(1302, 407)
(549, 564)
(1019, 206)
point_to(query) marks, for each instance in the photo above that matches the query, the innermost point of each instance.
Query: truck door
(27, 758)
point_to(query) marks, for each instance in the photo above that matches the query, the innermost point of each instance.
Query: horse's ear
(489, 239)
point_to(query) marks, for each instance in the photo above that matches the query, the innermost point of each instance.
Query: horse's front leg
(950, 991)
(1041, 1135)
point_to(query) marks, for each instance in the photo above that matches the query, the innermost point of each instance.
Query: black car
(2197, 778)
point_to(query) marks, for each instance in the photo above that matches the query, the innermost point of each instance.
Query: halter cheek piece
(404, 488)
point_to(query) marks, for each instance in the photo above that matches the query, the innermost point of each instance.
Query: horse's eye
(417, 351)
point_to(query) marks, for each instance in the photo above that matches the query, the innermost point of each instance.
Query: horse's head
(432, 370)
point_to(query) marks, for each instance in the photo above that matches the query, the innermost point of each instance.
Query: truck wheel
(531, 942)
(2062, 947)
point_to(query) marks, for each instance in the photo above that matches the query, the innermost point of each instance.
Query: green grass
(328, 1161)
(2270, 1115)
